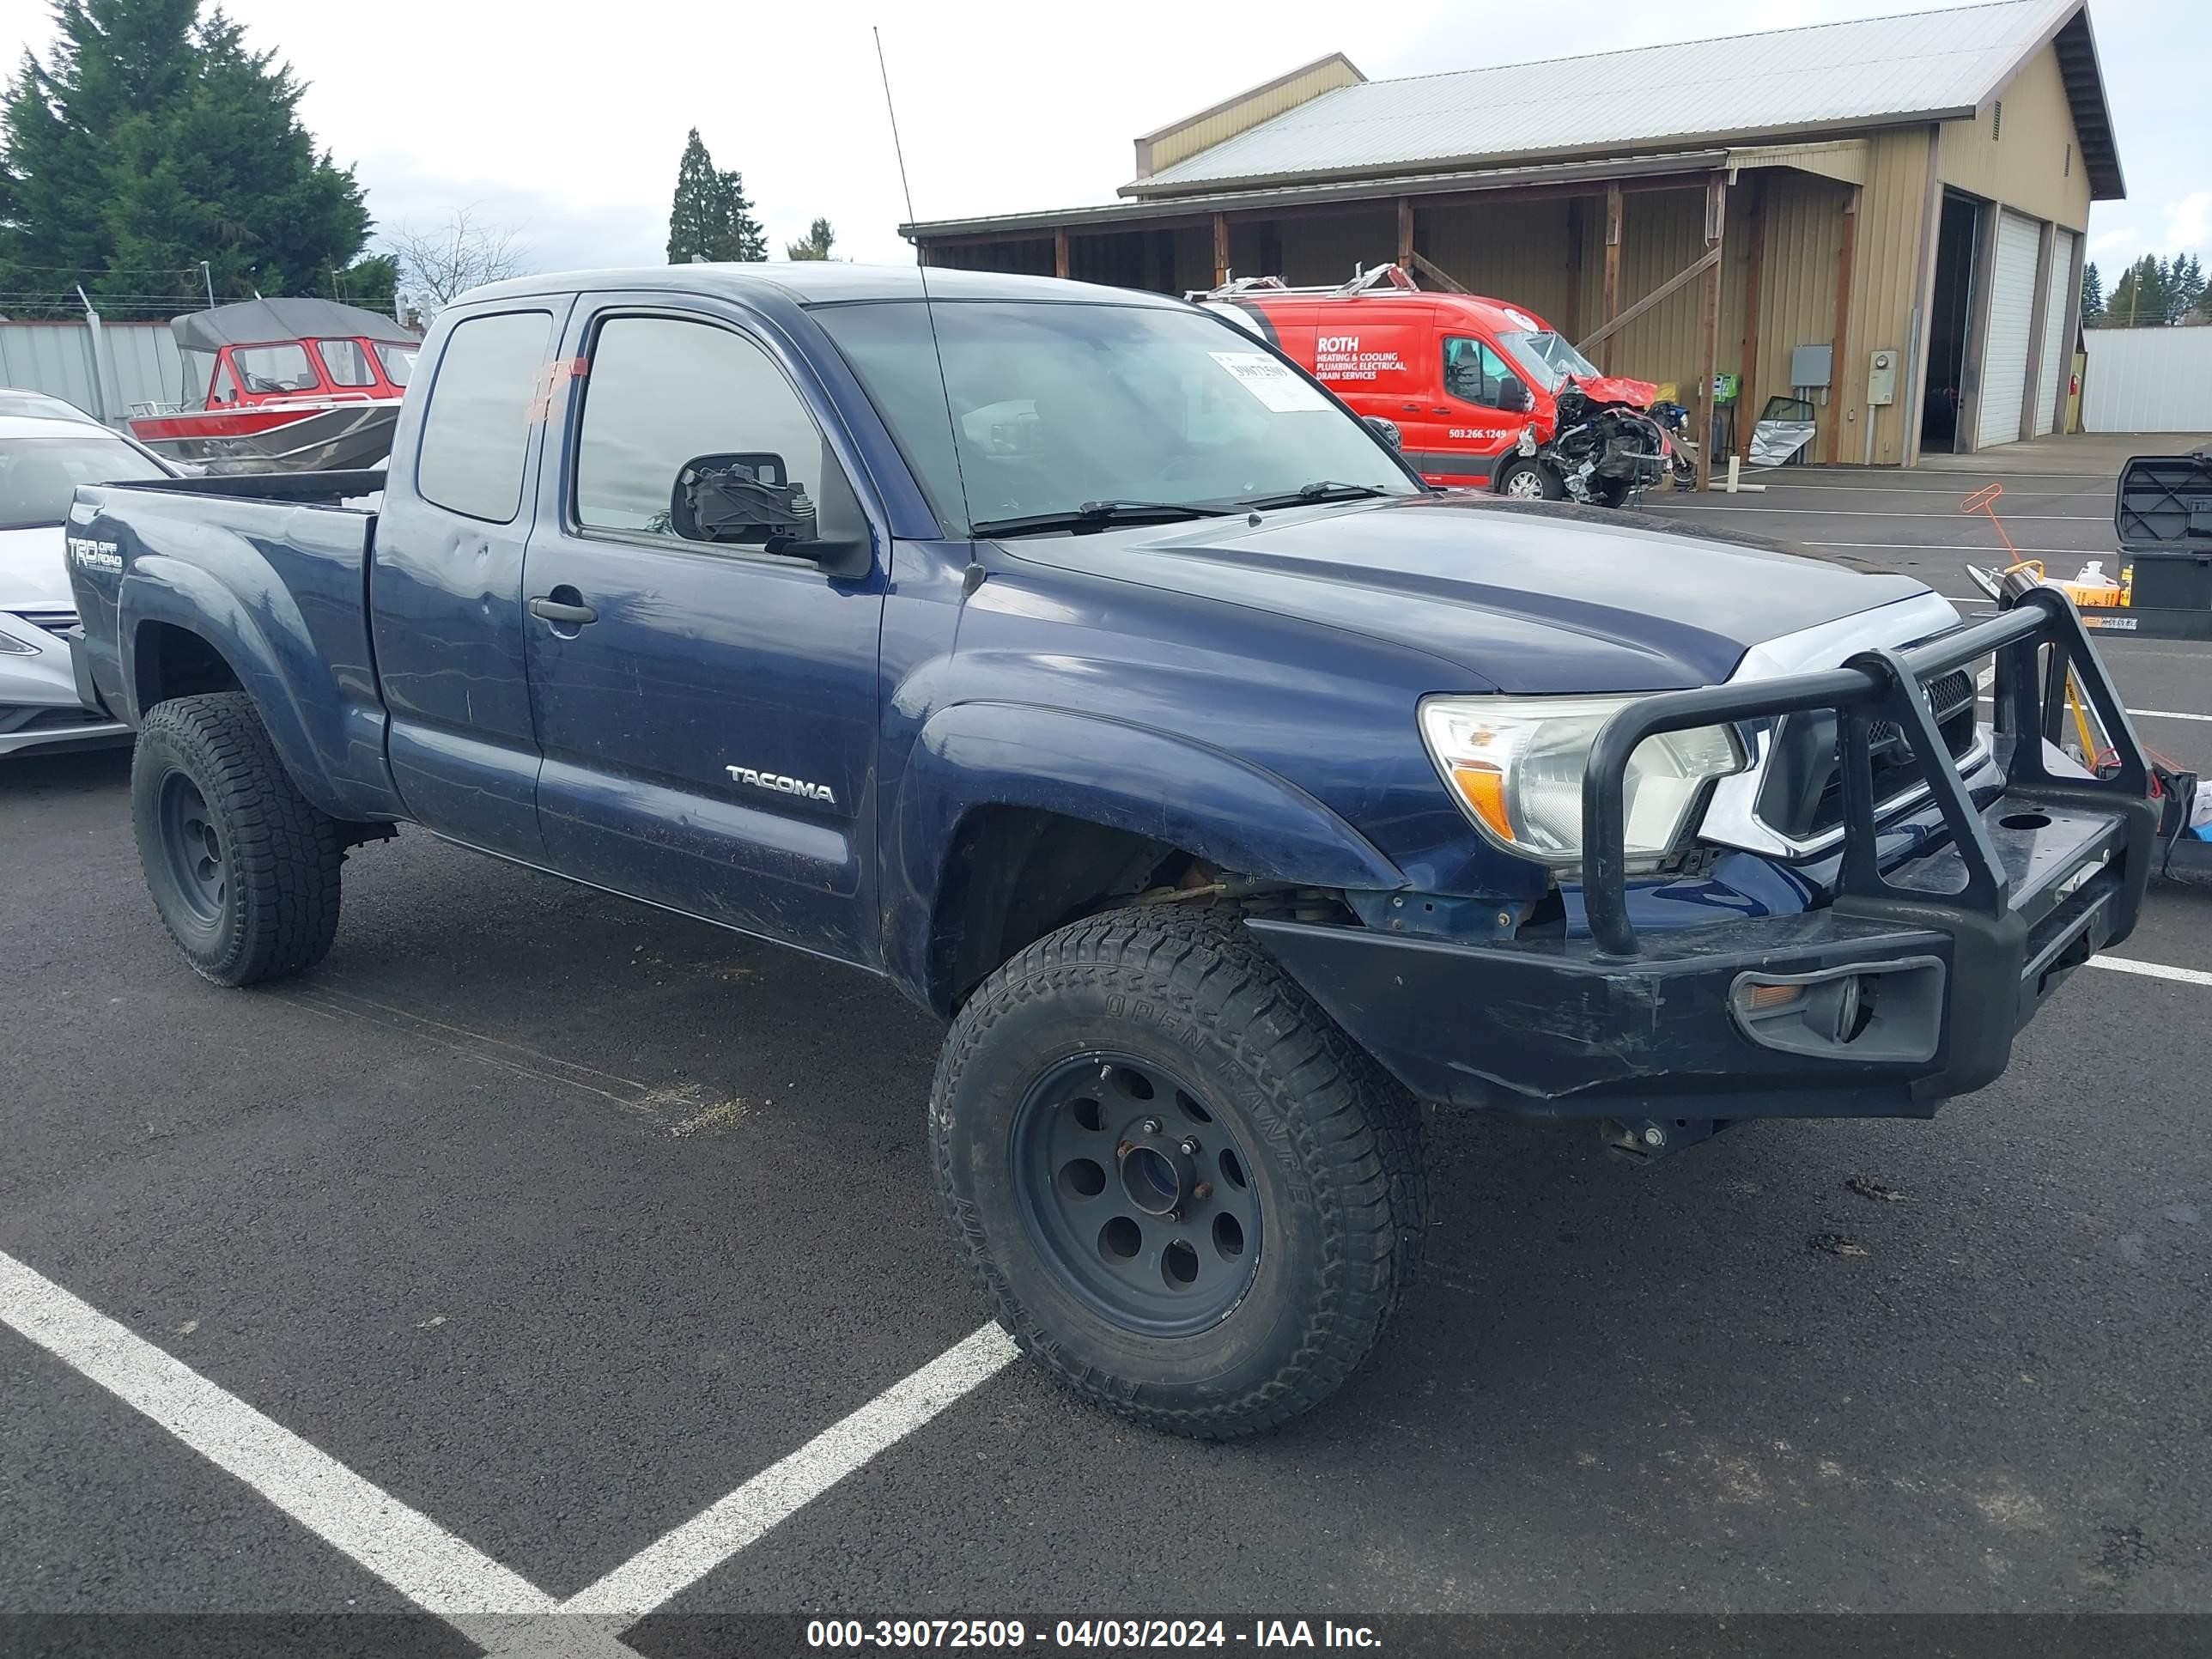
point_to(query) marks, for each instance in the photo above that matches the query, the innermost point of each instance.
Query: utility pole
(208, 277)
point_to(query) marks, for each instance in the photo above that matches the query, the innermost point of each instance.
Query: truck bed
(270, 570)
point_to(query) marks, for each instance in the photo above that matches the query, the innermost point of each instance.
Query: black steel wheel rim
(199, 864)
(1136, 1193)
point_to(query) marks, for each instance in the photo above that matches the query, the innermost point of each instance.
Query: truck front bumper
(1910, 987)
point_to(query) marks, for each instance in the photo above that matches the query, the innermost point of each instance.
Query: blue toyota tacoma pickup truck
(1074, 661)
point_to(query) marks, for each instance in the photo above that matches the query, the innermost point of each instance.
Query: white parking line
(682, 1558)
(2141, 714)
(435, 1571)
(1939, 494)
(2153, 969)
(1959, 547)
(493, 1606)
(1845, 512)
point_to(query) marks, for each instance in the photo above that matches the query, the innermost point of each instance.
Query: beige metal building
(1884, 217)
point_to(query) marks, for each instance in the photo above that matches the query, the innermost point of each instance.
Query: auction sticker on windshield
(1271, 382)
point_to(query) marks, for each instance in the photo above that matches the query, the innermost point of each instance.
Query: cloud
(2105, 240)
(2189, 221)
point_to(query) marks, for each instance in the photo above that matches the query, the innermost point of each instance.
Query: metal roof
(1934, 65)
(1147, 214)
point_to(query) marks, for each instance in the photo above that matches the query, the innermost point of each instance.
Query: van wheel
(1526, 480)
(1195, 1200)
(243, 871)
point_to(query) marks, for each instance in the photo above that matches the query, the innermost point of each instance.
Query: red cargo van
(1481, 393)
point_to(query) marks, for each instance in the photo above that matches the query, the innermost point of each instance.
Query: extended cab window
(691, 432)
(1474, 373)
(475, 434)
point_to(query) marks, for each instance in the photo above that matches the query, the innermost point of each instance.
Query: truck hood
(33, 576)
(1554, 600)
(1616, 389)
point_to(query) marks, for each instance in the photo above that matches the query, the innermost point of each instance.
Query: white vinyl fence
(2147, 379)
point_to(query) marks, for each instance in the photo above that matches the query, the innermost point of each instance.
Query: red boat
(283, 386)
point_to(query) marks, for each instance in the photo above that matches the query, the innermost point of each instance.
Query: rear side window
(475, 432)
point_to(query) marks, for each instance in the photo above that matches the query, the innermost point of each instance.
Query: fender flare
(1173, 789)
(187, 596)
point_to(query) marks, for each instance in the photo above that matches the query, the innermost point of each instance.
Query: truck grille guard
(1889, 684)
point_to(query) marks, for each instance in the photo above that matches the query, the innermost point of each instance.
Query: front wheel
(1528, 480)
(1196, 1202)
(243, 870)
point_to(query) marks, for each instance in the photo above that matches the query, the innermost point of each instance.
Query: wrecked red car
(1481, 394)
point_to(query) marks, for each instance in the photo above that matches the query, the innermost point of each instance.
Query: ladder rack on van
(1390, 278)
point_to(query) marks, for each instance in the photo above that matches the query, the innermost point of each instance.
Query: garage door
(2004, 344)
(2057, 338)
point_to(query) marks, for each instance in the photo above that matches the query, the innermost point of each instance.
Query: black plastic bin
(2162, 513)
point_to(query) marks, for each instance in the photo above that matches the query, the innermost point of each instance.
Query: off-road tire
(1548, 487)
(1333, 1142)
(281, 856)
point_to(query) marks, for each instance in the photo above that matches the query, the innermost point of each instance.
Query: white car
(44, 457)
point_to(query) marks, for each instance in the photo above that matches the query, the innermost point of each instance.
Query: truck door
(707, 708)
(1474, 426)
(446, 585)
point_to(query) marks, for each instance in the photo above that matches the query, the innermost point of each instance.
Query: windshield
(398, 362)
(1548, 358)
(38, 476)
(1058, 406)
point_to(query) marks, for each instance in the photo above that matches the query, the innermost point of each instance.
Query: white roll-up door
(2057, 337)
(2004, 342)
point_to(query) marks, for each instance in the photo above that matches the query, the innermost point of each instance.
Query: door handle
(569, 612)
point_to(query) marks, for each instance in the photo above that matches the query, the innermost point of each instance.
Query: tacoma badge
(782, 786)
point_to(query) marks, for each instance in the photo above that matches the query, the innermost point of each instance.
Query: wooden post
(1405, 233)
(1747, 395)
(1059, 253)
(1610, 304)
(1840, 341)
(1220, 249)
(1574, 266)
(1716, 211)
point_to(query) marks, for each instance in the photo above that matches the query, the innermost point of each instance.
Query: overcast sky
(565, 121)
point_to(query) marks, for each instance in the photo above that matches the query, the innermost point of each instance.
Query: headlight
(1516, 765)
(12, 646)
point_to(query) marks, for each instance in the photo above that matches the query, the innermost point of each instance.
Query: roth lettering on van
(1337, 343)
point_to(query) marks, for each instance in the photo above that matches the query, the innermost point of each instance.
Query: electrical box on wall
(1812, 365)
(1881, 378)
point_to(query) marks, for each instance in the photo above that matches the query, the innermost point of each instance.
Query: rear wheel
(1528, 480)
(243, 870)
(1194, 1199)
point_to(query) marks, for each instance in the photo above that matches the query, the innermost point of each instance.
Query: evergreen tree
(710, 217)
(2186, 288)
(2093, 297)
(819, 236)
(371, 283)
(151, 138)
(2139, 298)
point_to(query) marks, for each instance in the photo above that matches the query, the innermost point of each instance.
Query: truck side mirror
(1384, 430)
(749, 498)
(1513, 396)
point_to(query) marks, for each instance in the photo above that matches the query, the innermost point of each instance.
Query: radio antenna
(929, 311)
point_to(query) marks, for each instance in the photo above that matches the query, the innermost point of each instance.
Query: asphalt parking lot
(533, 1226)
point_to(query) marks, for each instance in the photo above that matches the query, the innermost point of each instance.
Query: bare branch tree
(437, 267)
